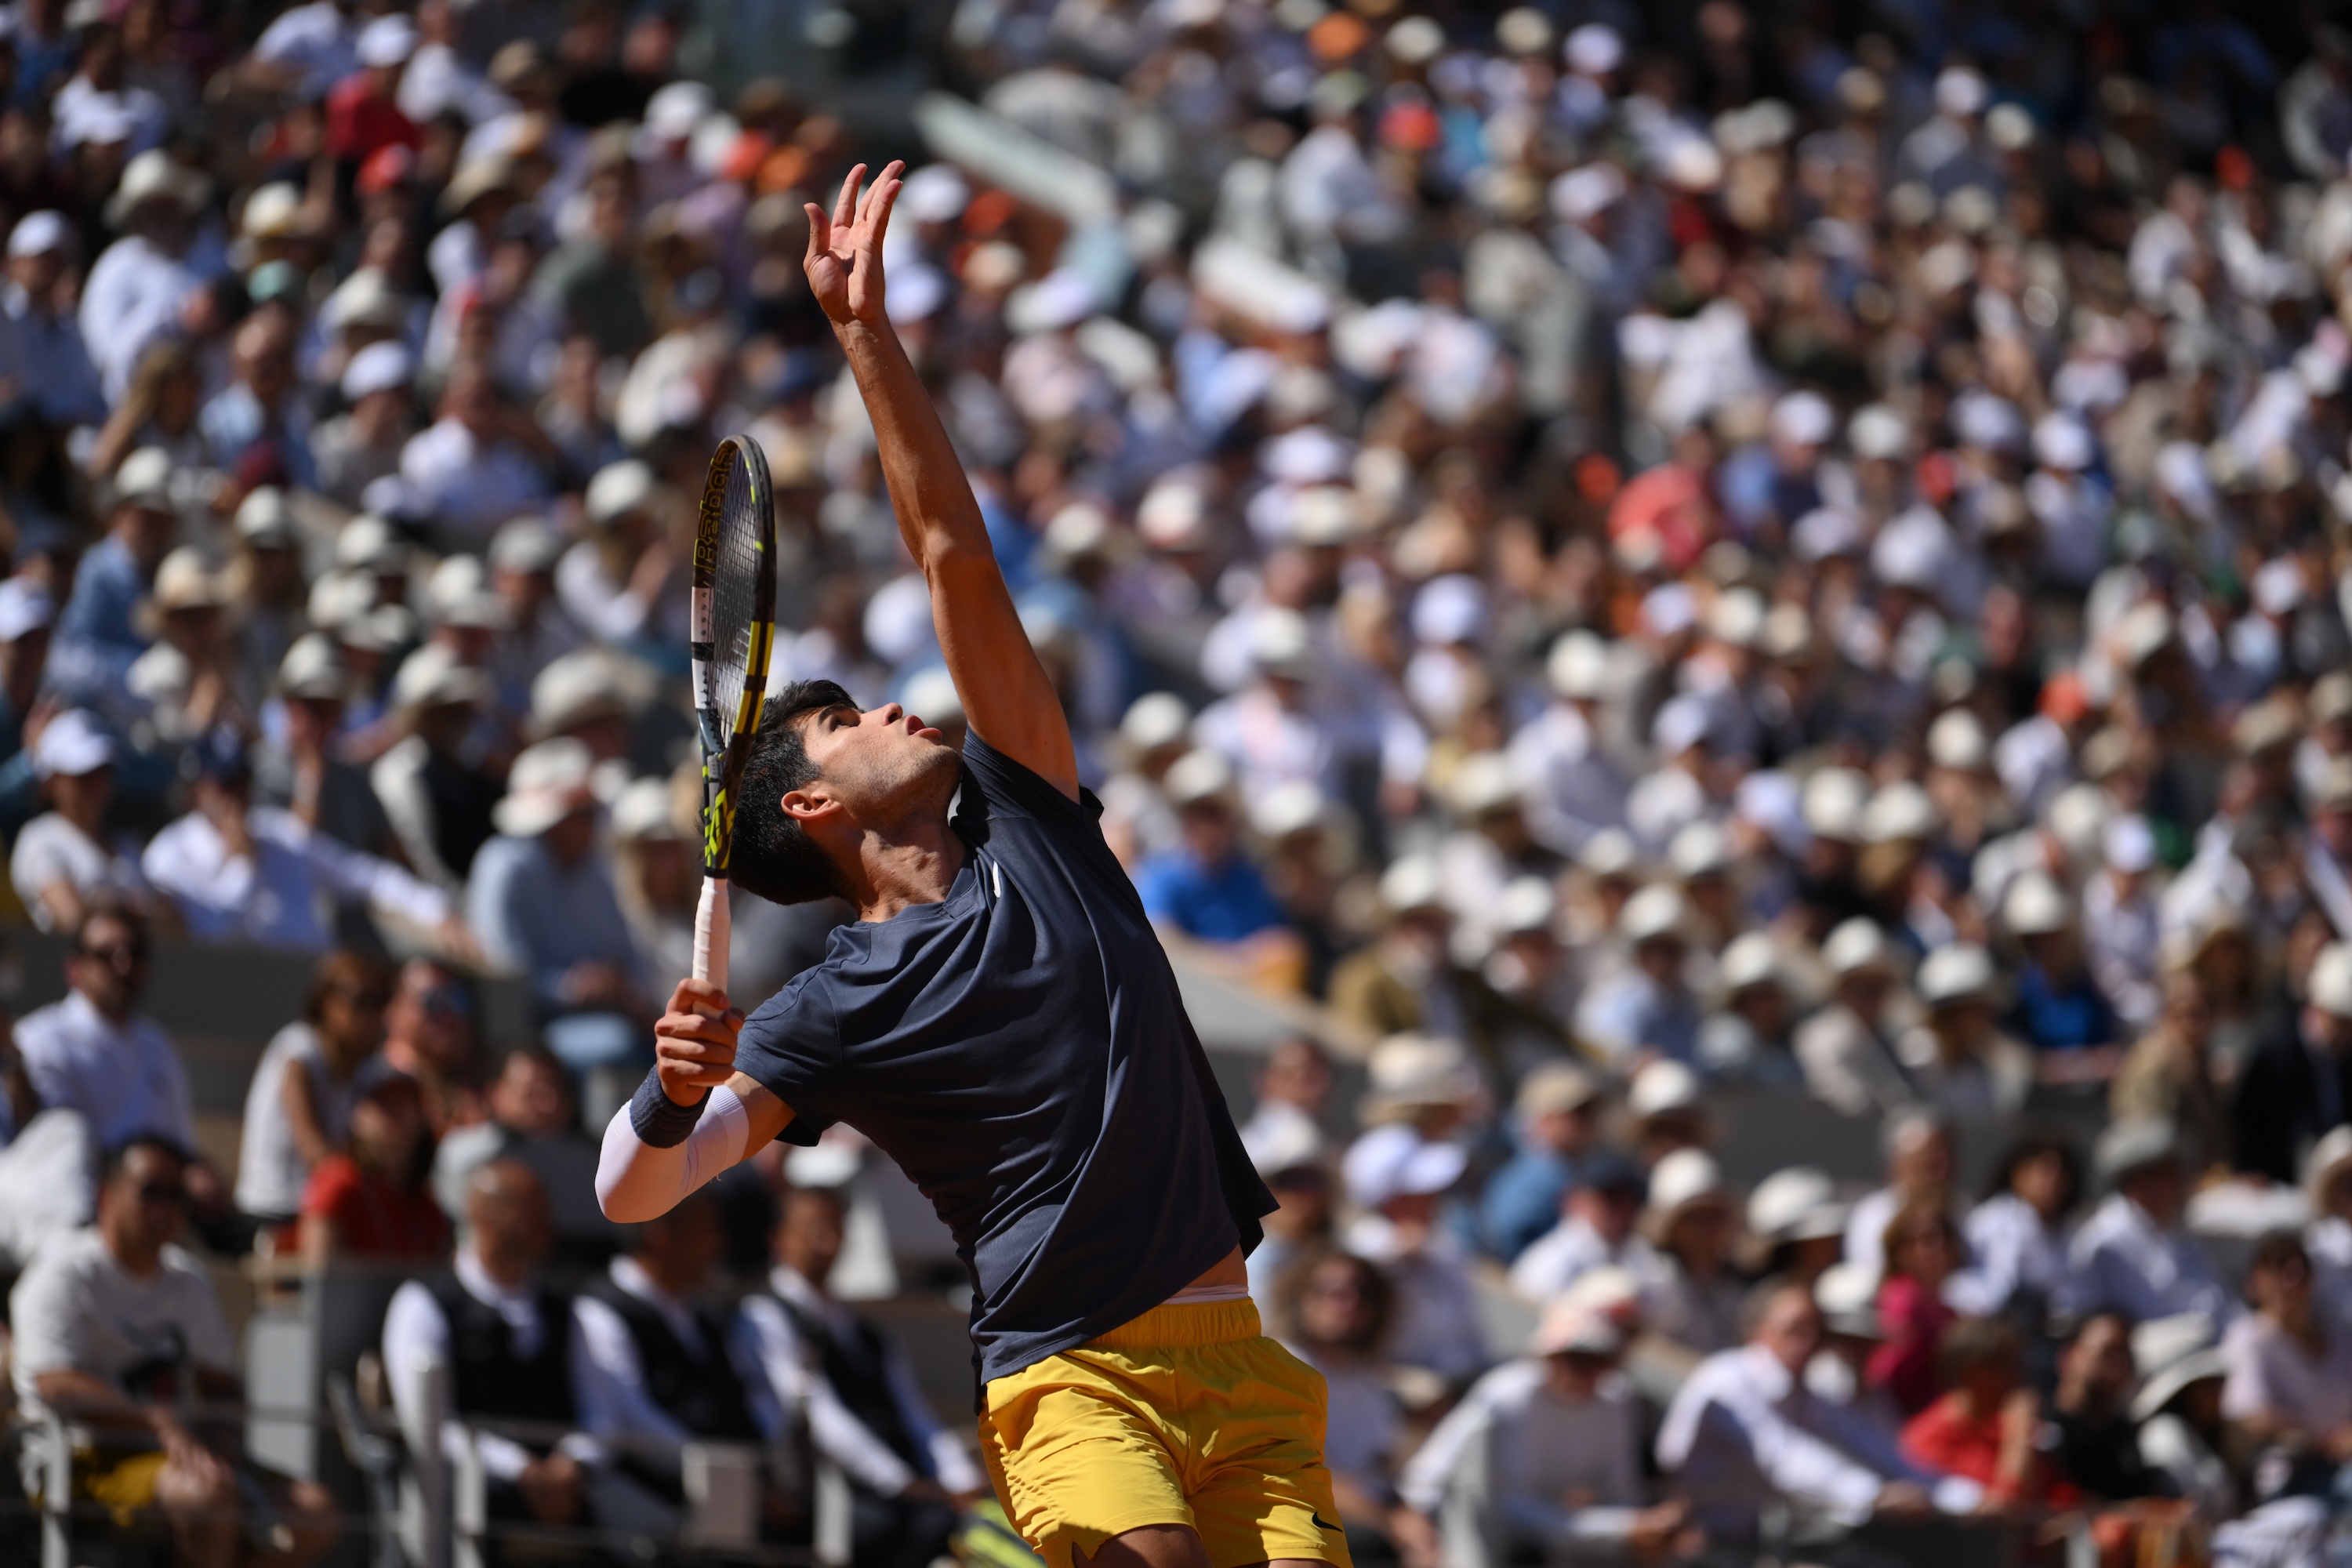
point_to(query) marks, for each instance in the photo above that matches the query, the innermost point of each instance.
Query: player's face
(882, 762)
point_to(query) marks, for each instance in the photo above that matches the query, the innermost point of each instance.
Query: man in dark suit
(2298, 1087)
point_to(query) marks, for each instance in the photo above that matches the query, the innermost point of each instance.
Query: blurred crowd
(1652, 561)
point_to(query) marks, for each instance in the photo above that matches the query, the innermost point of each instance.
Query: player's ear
(809, 803)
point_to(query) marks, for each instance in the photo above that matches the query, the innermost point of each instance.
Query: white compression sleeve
(637, 1182)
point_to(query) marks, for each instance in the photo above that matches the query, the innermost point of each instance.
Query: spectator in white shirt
(1342, 1312)
(1400, 1180)
(260, 875)
(1540, 1457)
(65, 859)
(823, 1366)
(1694, 1297)
(298, 1107)
(2289, 1365)
(652, 1369)
(92, 1053)
(2133, 1256)
(1572, 790)
(475, 467)
(1745, 1432)
(2017, 1236)
(1597, 1229)
(505, 1343)
(139, 289)
(111, 1320)
(613, 581)
(1920, 1159)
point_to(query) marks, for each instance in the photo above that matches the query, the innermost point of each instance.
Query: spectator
(652, 1369)
(1646, 1004)
(616, 584)
(1295, 1169)
(2169, 1076)
(1922, 1249)
(1796, 1223)
(2289, 1366)
(2292, 1091)
(93, 1053)
(45, 345)
(657, 877)
(298, 1107)
(1341, 1309)
(1750, 1036)
(141, 284)
(2182, 1435)
(2016, 1238)
(1694, 1300)
(823, 1365)
(433, 782)
(1205, 888)
(545, 907)
(2133, 1257)
(1399, 1179)
(1599, 1228)
(1848, 1048)
(355, 448)
(474, 467)
(1987, 1429)
(98, 636)
(260, 406)
(1743, 1434)
(533, 1120)
(371, 1201)
(2097, 1443)
(1920, 1157)
(259, 875)
(1294, 1090)
(2327, 1189)
(306, 771)
(61, 865)
(1540, 1455)
(116, 1329)
(505, 1341)
(1960, 1061)
(428, 1034)
(1554, 1119)
(2058, 1009)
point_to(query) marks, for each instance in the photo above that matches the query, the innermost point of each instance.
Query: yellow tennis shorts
(1186, 1416)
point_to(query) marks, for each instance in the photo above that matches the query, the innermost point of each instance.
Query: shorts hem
(1058, 1548)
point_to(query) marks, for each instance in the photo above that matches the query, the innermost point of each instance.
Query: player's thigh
(1079, 1457)
(1260, 1492)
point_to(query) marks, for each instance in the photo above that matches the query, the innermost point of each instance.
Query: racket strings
(734, 610)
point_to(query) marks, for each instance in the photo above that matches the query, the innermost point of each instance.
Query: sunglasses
(115, 953)
(445, 1002)
(365, 1001)
(162, 1192)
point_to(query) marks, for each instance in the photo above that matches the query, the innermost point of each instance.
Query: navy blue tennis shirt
(1020, 1050)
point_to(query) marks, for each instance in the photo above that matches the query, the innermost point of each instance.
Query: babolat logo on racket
(706, 538)
(718, 824)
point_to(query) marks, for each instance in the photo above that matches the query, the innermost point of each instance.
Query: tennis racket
(733, 627)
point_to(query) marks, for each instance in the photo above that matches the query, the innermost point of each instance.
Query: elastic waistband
(1194, 1323)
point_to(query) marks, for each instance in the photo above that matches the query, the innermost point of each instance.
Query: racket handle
(710, 926)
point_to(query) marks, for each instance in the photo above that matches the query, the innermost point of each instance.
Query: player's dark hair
(772, 857)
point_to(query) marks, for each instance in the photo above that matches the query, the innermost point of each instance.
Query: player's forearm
(925, 479)
(639, 1180)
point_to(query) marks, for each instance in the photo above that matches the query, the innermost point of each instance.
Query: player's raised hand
(694, 1043)
(844, 251)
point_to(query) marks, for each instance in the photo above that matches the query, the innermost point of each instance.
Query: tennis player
(1002, 1022)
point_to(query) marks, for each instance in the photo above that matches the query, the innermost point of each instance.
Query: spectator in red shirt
(374, 1200)
(1923, 1248)
(364, 115)
(1985, 1428)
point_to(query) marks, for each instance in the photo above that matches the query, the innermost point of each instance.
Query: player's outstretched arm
(692, 1118)
(1005, 691)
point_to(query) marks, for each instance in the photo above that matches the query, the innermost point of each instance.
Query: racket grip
(711, 928)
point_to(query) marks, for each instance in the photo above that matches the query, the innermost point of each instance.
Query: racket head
(734, 625)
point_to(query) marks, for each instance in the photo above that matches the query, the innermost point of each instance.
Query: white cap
(1798, 1203)
(313, 669)
(549, 781)
(2331, 978)
(2278, 586)
(1660, 1087)
(1527, 904)
(936, 192)
(1155, 719)
(1481, 783)
(379, 367)
(1750, 960)
(1294, 805)
(186, 581)
(1412, 882)
(1062, 298)
(273, 212)
(1197, 776)
(1961, 92)
(1579, 666)
(676, 108)
(1736, 618)
(1576, 1327)
(1878, 432)
(387, 41)
(37, 234)
(1962, 971)
(1282, 643)
(1654, 912)
(1899, 812)
(1585, 193)
(1325, 515)
(1957, 740)
(74, 743)
(1610, 852)
(1699, 848)
(1174, 515)
(642, 811)
(1683, 721)
(2061, 441)
(1833, 801)
(25, 607)
(1856, 944)
(1803, 419)
(2130, 845)
(370, 544)
(144, 479)
(1593, 49)
(1847, 1295)
(1982, 419)
(265, 519)
(2035, 905)
(1449, 609)
(433, 677)
(578, 686)
(930, 695)
(527, 545)
(1825, 531)
(916, 291)
(619, 488)
(1683, 1178)
(1395, 1162)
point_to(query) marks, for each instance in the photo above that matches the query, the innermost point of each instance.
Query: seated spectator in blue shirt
(2059, 1007)
(541, 899)
(27, 611)
(1556, 1109)
(45, 352)
(98, 636)
(1204, 888)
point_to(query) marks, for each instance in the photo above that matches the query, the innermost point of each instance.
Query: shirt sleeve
(789, 1049)
(388, 889)
(839, 1435)
(50, 1321)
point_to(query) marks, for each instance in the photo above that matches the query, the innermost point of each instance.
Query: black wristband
(661, 1122)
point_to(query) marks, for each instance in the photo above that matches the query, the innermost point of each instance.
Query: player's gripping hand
(694, 1043)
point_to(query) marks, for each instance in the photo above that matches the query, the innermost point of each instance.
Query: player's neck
(915, 863)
